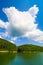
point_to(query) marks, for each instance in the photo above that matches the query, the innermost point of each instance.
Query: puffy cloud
(3, 24)
(23, 23)
(36, 35)
(4, 34)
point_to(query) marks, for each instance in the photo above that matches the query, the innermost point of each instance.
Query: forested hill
(30, 47)
(6, 45)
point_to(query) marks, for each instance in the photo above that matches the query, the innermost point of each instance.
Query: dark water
(21, 59)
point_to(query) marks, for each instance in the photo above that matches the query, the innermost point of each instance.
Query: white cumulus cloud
(22, 23)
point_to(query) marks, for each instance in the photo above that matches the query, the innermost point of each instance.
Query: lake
(31, 58)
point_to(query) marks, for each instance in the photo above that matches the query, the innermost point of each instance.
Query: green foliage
(6, 45)
(30, 47)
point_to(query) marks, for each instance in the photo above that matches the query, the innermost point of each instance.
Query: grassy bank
(8, 51)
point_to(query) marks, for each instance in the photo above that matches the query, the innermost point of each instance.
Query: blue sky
(22, 5)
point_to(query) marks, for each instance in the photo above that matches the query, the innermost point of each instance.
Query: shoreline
(8, 51)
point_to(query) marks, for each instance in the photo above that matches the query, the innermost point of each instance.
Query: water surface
(21, 58)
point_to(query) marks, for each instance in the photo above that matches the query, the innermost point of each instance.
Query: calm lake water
(21, 59)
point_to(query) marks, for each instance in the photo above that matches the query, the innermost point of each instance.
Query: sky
(21, 21)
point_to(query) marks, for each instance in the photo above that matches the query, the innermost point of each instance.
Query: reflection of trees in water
(31, 55)
(6, 58)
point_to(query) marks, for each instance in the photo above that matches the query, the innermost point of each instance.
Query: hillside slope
(6, 45)
(30, 47)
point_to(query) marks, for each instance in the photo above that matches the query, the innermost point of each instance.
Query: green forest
(6, 45)
(30, 47)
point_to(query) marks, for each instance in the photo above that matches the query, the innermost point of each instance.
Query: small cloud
(14, 38)
(11, 41)
(0, 36)
(3, 24)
